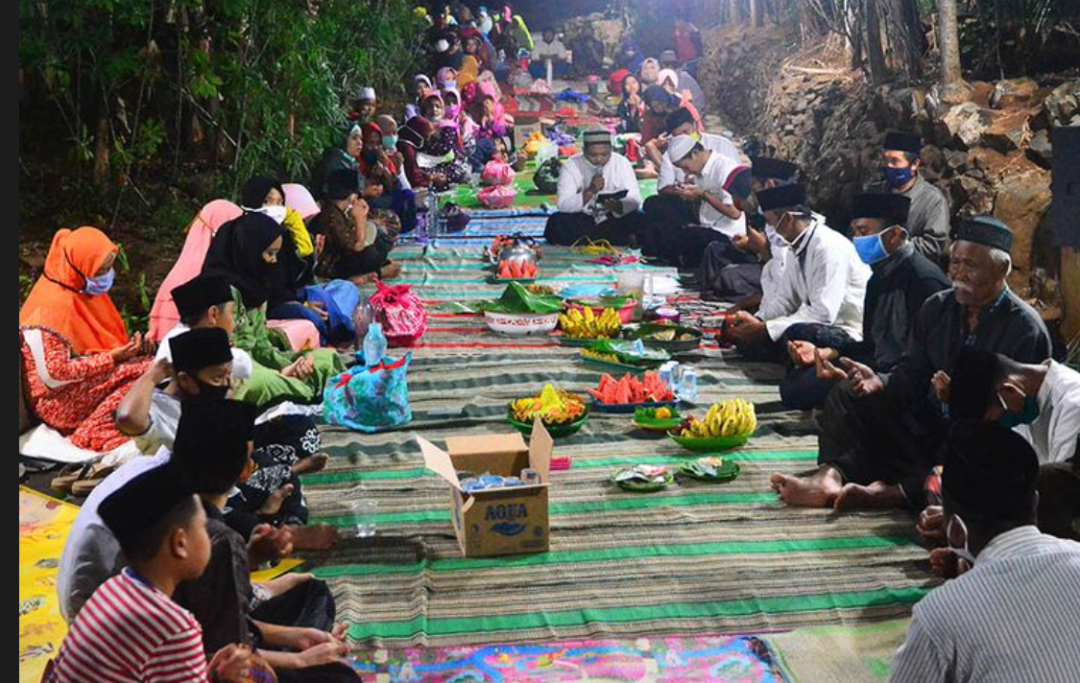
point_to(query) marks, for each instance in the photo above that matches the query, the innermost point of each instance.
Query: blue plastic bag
(340, 299)
(370, 399)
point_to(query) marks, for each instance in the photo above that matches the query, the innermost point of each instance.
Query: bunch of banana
(582, 323)
(597, 355)
(731, 417)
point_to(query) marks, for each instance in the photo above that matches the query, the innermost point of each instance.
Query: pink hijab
(164, 316)
(299, 199)
(484, 91)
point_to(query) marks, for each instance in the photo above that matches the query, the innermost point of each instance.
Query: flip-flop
(65, 480)
(91, 478)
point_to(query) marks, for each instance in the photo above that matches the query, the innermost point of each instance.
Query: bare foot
(816, 491)
(315, 463)
(391, 271)
(274, 501)
(876, 496)
(316, 537)
(365, 279)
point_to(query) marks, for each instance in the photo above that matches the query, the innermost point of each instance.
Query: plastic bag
(401, 314)
(370, 399)
(497, 173)
(547, 176)
(497, 196)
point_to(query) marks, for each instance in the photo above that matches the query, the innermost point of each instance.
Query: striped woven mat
(694, 558)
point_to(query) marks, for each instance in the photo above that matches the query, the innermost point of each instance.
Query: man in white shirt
(820, 299)
(1041, 403)
(1013, 615)
(549, 48)
(598, 196)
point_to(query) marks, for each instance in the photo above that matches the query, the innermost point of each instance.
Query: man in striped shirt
(1015, 616)
(130, 629)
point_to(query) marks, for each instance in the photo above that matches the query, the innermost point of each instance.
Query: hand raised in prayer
(128, 351)
(269, 543)
(802, 353)
(940, 382)
(864, 381)
(931, 524)
(231, 664)
(824, 370)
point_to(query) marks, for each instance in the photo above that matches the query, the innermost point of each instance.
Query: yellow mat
(44, 524)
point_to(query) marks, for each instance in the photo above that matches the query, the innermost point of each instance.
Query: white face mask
(276, 212)
(956, 527)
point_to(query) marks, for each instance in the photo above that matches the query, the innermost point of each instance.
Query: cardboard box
(508, 521)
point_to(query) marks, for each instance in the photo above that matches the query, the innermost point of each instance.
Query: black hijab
(235, 254)
(253, 196)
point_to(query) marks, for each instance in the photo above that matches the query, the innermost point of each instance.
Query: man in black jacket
(903, 280)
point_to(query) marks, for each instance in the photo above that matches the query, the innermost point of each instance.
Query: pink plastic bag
(302, 334)
(401, 313)
(497, 196)
(497, 173)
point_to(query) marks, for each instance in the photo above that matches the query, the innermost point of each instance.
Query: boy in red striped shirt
(130, 630)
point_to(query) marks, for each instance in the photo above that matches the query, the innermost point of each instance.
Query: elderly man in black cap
(882, 434)
(928, 219)
(599, 197)
(1042, 403)
(1013, 616)
(820, 297)
(903, 280)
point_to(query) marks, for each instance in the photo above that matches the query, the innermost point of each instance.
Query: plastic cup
(364, 517)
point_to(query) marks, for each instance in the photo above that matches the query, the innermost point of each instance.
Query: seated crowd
(932, 383)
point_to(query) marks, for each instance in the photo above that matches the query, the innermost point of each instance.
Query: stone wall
(990, 152)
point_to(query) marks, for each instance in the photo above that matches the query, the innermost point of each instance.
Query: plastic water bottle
(362, 318)
(687, 390)
(374, 345)
(666, 372)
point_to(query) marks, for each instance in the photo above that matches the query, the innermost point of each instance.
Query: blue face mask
(898, 177)
(1028, 414)
(96, 286)
(870, 248)
(389, 141)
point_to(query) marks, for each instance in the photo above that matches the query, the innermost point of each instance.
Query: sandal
(65, 480)
(94, 475)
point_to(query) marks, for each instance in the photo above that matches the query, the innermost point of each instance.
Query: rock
(981, 93)
(965, 124)
(1062, 105)
(1039, 149)
(957, 93)
(1022, 201)
(1007, 131)
(1013, 92)
(933, 158)
(956, 160)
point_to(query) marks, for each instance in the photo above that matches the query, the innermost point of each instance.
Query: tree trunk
(906, 36)
(949, 43)
(101, 151)
(757, 13)
(878, 71)
(733, 12)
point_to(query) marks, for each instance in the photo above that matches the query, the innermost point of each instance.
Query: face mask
(695, 136)
(369, 157)
(389, 141)
(96, 286)
(954, 527)
(1028, 414)
(870, 248)
(898, 177)
(210, 392)
(275, 212)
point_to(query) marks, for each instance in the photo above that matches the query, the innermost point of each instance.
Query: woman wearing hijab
(632, 106)
(78, 361)
(343, 157)
(669, 79)
(630, 55)
(163, 315)
(388, 198)
(421, 88)
(650, 71)
(245, 253)
(444, 150)
(491, 119)
(412, 138)
(522, 36)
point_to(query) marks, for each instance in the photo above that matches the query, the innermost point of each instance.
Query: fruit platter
(516, 271)
(657, 419)
(521, 312)
(561, 412)
(643, 478)
(711, 468)
(726, 425)
(623, 306)
(614, 355)
(626, 395)
(671, 338)
(521, 244)
(581, 326)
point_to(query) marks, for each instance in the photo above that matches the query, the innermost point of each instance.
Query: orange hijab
(91, 324)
